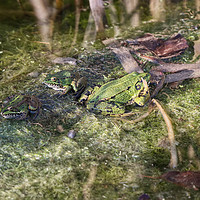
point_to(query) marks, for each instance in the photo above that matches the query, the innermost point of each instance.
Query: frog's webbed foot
(84, 96)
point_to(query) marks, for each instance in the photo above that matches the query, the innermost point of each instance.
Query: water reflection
(120, 14)
(197, 3)
(157, 9)
(119, 19)
(131, 12)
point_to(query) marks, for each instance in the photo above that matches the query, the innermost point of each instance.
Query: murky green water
(107, 158)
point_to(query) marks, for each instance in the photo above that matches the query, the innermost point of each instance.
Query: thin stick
(174, 158)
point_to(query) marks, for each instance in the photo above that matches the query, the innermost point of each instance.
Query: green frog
(20, 107)
(64, 81)
(113, 97)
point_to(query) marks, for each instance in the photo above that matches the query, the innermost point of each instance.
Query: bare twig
(20, 4)
(78, 14)
(77, 21)
(174, 158)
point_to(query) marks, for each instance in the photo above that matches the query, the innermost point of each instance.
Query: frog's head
(143, 90)
(14, 108)
(59, 80)
(20, 107)
(14, 113)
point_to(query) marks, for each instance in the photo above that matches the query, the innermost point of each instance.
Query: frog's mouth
(142, 93)
(13, 115)
(55, 86)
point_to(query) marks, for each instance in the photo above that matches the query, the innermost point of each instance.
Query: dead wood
(160, 48)
(171, 67)
(128, 62)
(179, 76)
(184, 71)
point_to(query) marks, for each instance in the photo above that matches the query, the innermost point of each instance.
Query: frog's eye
(138, 85)
(53, 78)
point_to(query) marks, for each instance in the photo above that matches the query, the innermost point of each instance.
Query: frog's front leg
(66, 89)
(106, 108)
(87, 95)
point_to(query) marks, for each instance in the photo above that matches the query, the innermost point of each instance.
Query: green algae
(39, 161)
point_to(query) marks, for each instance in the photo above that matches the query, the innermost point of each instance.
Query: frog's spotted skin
(19, 107)
(64, 81)
(112, 97)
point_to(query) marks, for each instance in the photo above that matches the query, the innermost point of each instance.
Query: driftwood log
(162, 49)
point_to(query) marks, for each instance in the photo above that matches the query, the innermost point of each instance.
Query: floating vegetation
(68, 152)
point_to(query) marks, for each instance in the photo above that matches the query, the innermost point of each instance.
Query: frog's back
(117, 86)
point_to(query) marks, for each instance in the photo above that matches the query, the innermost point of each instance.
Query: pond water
(107, 158)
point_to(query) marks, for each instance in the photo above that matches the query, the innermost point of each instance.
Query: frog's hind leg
(106, 108)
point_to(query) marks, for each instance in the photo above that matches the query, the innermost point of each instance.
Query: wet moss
(39, 161)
